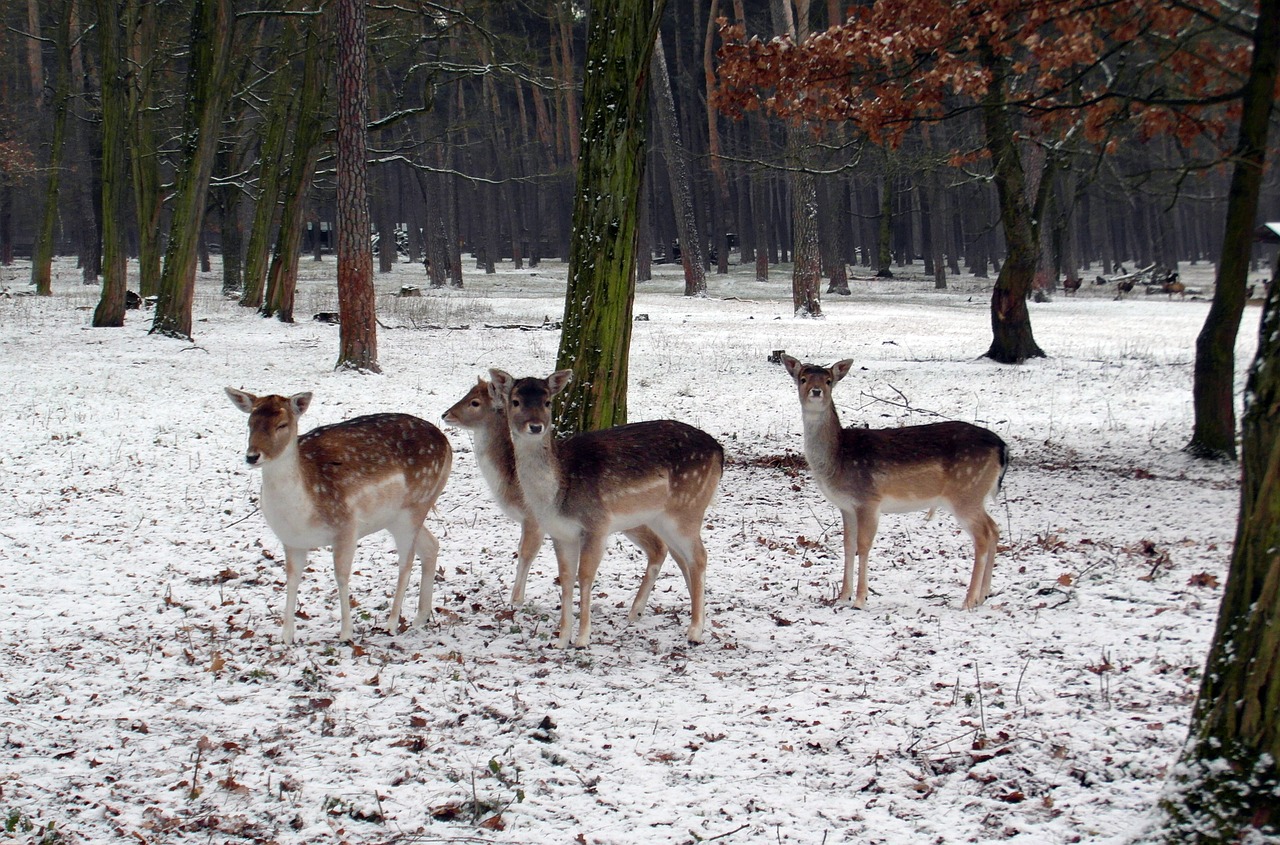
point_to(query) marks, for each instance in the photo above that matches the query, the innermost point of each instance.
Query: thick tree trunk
(142, 32)
(1012, 341)
(1223, 790)
(357, 311)
(596, 335)
(1214, 434)
(212, 32)
(115, 176)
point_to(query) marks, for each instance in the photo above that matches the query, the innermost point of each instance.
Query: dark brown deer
(866, 472)
(338, 483)
(479, 413)
(661, 475)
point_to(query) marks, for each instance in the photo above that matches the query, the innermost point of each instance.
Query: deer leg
(567, 553)
(655, 551)
(985, 535)
(868, 519)
(344, 552)
(428, 548)
(687, 550)
(850, 555)
(404, 537)
(295, 560)
(530, 542)
(588, 565)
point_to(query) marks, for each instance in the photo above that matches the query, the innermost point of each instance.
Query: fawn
(660, 474)
(338, 483)
(481, 414)
(866, 472)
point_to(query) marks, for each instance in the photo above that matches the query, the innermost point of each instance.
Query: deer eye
(475, 403)
(515, 403)
(282, 426)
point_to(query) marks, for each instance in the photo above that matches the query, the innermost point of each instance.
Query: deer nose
(815, 392)
(535, 428)
(252, 458)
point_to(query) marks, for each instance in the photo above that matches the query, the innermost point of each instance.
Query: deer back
(614, 475)
(916, 466)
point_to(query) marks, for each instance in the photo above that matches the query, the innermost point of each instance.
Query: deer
(866, 472)
(341, 482)
(661, 475)
(481, 414)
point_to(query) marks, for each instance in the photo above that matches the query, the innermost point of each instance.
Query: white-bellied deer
(338, 483)
(660, 474)
(866, 472)
(486, 419)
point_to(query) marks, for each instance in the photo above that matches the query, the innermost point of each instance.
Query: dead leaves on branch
(1154, 68)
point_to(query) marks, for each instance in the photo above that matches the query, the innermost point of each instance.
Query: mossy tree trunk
(596, 334)
(1224, 788)
(212, 30)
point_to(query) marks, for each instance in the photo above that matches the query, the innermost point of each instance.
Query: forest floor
(147, 696)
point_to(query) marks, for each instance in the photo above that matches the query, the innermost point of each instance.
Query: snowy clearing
(147, 697)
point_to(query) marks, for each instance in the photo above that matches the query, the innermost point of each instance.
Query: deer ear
(840, 369)
(300, 402)
(793, 365)
(559, 380)
(243, 401)
(501, 384)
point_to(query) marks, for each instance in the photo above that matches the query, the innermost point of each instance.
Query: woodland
(1042, 145)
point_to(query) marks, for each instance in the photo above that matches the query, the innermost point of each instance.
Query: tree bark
(46, 235)
(212, 32)
(1012, 341)
(115, 176)
(142, 30)
(695, 277)
(1214, 432)
(357, 311)
(596, 335)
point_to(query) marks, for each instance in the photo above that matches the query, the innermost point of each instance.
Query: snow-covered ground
(147, 696)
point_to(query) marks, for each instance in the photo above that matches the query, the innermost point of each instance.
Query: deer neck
(286, 499)
(822, 439)
(495, 455)
(538, 471)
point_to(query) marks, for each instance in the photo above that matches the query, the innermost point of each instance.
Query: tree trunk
(115, 178)
(1225, 786)
(296, 181)
(596, 335)
(722, 225)
(212, 31)
(695, 277)
(357, 311)
(142, 32)
(46, 235)
(1012, 341)
(1214, 433)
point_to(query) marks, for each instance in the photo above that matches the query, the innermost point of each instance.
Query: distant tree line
(474, 141)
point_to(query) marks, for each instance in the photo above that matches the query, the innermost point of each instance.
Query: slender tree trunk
(212, 32)
(1012, 341)
(596, 335)
(115, 176)
(357, 310)
(47, 233)
(1214, 434)
(723, 218)
(270, 166)
(695, 277)
(142, 31)
(884, 232)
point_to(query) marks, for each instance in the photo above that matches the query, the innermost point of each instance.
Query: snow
(147, 695)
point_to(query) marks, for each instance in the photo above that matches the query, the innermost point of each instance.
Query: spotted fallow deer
(479, 413)
(660, 474)
(865, 472)
(338, 483)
